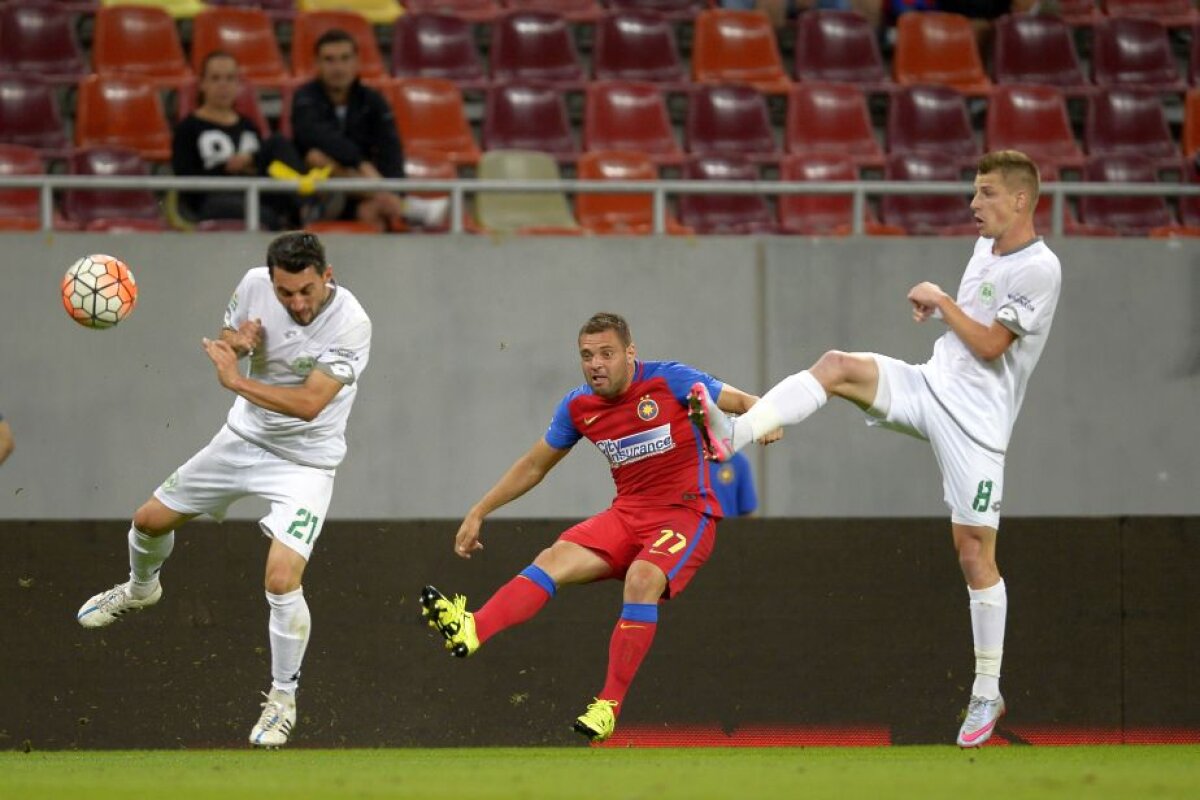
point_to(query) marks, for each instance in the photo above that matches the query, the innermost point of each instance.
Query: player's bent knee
(644, 583)
(155, 519)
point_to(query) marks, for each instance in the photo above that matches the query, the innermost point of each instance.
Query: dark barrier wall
(792, 623)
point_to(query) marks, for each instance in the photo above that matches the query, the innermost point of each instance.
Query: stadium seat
(246, 104)
(1079, 13)
(724, 214)
(629, 116)
(619, 214)
(840, 47)
(938, 48)
(1043, 215)
(377, 12)
(20, 209)
(111, 209)
(39, 39)
(310, 25)
(278, 10)
(824, 214)
(141, 41)
(924, 215)
(737, 47)
(178, 9)
(1127, 122)
(931, 119)
(1189, 207)
(638, 46)
(434, 45)
(1134, 53)
(675, 10)
(1191, 125)
(471, 10)
(248, 35)
(831, 118)
(1035, 49)
(545, 213)
(1130, 216)
(1033, 119)
(570, 10)
(430, 118)
(122, 112)
(426, 165)
(535, 46)
(29, 116)
(528, 117)
(729, 120)
(1170, 13)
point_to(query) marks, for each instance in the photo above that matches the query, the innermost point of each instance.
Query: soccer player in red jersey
(659, 530)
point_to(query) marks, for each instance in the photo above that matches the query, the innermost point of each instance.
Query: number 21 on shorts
(304, 526)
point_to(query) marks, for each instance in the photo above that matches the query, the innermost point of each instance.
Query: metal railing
(660, 190)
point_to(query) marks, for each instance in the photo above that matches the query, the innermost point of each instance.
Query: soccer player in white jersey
(964, 400)
(308, 341)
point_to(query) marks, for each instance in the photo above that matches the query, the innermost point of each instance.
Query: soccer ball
(99, 291)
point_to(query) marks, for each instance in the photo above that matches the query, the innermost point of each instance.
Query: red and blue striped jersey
(652, 449)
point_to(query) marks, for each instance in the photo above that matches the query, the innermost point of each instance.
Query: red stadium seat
(1125, 122)
(629, 116)
(1171, 13)
(1043, 215)
(831, 119)
(1134, 53)
(724, 213)
(29, 116)
(738, 47)
(111, 209)
(619, 214)
(310, 25)
(839, 47)
(824, 214)
(931, 119)
(535, 46)
(141, 41)
(676, 10)
(248, 35)
(1191, 125)
(430, 118)
(20, 209)
(638, 46)
(570, 10)
(426, 165)
(1130, 216)
(433, 45)
(1035, 49)
(1189, 207)
(39, 39)
(528, 117)
(729, 120)
(1033, 119)
(936, 48)
(471, 10)
(119, 112)
(1079, 13)
(924, 215)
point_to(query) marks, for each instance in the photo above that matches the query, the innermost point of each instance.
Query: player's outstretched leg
(982, 716)
(715, 427)
(599, 721)
(108, 606)
(451, 619)
(274, 726)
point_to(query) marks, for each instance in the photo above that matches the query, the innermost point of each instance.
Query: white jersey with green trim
(337, 342)
(1020, 291)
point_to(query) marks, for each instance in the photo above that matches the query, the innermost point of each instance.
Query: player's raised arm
(304, 402)
(525, 473)
(986, 342)
(244, 339)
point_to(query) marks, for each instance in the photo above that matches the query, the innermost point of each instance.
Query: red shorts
(677, 540)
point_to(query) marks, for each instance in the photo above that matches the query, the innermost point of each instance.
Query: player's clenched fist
(466, 541)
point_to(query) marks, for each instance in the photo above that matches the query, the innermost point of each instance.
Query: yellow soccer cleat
(599, 721)
(451, 619)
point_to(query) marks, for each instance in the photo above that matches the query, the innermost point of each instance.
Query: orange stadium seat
(433, 166)
(1189, 207)
(1171, 13)
(831, 118)
(430, 118)
(122, 112)
(39, 39)
(1130, 216)
(738, 47)
(535, 46)
(1191, 125)
(824, 214)
(29, 116)
(732, 120)
(310, 25)
(925, 215)
(629, 116)
(20, 209)
(246, 104)
(571, 10)
(141, 41)
(472, 10)
(248, 35)
(1134, 53)
(638, 46)
(1129, 122)
(432, 45)
(931, 119)
(109, 209)
(1037, 49)
(1033, 119)
(840, 47)
(725, 214)
(619, 214)
(528, 116)
(937, 48)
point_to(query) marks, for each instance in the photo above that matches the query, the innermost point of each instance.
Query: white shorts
(230, 468)
(972, 475)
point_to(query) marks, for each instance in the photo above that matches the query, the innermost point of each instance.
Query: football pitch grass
(1013, 773)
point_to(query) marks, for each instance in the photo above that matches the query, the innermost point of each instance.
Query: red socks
(631, 640)
(514, 602)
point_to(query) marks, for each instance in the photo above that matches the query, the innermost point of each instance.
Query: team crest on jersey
(171, 482)
(303, 365)
(725, 474)
(647, 409)
(635, 447)
(987, 295)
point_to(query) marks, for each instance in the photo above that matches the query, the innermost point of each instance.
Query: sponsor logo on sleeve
(1021, 300)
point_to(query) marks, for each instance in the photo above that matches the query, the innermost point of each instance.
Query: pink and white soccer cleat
(715, 427)
(982, 716)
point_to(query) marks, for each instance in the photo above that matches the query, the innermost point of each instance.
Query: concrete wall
(474, 345)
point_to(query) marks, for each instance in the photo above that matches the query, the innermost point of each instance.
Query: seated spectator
(339, 123)
(216, 140)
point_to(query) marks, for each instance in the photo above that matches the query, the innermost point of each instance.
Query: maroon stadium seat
(1129, 53)
(1037, 49)
(1125, 122)
(29, 116)
(729, 120)
(1033, 119)
(433, 45)
(1130, 216)
(1171, 13)
(943, 215)
(571, 10)
(629, 116)
(535, 46)
(724, 213)
(823, 214)
(473, 10)
(931, 119)
(111, 209)
(671, 9)
(638, 46)
(39, 39)
(19, 208)
(522, 116)
(831, 118)
(839, 47)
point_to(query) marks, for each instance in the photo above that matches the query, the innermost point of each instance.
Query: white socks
(146, 557)
(788, 402)
(988, 610)
(289, 628)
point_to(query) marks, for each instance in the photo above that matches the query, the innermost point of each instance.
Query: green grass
(1010, 773)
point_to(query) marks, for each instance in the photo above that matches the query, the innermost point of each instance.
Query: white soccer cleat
(982, 716)
(716, 429)
(109, 606)
(275, 724)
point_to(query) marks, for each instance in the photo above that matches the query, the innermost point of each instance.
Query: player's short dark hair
(604, 321)
(333, 36)
(295, 252)
(1015, 168)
